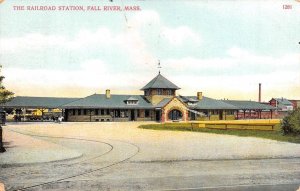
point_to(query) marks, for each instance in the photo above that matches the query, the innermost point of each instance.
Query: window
(84, 112)
(117, 113)
(192, 103)
(132, 102)
(147, 92)
(107, 112)
(102, 111)
(147, 113)
(97, 112)
(169, 92)
(73, 111)
(159, 91)
(230, 112)
(79, 112)
(138, 113)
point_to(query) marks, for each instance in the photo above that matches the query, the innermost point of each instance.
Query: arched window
(175, 114)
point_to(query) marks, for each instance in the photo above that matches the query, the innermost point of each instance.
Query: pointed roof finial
(159, 67)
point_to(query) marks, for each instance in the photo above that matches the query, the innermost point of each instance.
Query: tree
(291, 123)
(5, 95)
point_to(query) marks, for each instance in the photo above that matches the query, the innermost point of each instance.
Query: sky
(221, 48)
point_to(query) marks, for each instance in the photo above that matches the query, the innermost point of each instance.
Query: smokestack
(199, 95)
(107, 94)
(259, 93)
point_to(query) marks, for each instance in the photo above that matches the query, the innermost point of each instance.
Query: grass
(274, 135)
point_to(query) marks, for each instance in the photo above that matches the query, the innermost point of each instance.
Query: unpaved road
(119, 156)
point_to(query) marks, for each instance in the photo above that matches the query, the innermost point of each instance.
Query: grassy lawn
(274, 135)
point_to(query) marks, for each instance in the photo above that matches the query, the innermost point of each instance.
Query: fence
(263, 125)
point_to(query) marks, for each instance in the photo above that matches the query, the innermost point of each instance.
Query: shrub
(291, 123)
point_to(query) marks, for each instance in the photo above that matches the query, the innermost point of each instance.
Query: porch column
(42, 114)
(90, 115)
(271, 113)
(24, 114)
(135, 114)
(186, 115)
(162, 116)
(2, 149)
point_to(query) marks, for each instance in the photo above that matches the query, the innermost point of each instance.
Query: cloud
(94, 65)
(237, 74)
(237, 62)
(92, 74)
(177, 36)
(32, 41)
(132, 42)
(144, 18)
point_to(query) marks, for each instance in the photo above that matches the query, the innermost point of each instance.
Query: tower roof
(160, 82)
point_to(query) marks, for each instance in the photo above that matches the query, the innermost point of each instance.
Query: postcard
(149, 95)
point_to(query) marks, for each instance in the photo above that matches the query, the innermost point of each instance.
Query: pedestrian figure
(60, 118)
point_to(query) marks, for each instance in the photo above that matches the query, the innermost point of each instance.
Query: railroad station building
(159, 102)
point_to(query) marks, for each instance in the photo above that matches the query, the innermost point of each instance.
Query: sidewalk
(23, 149)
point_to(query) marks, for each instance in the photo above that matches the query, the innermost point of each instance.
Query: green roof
(163, 102)
(115, 101)
(246, 105)
(207, 103)
(283, 101)
(37, 102)
(160, 82)
(131, 98)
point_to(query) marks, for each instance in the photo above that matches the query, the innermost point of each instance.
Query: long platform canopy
(249, 105)
(37, 102)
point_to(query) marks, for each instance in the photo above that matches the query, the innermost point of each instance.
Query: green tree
(291, 123)
(5, 95)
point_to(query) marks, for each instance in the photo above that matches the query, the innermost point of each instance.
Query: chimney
(107, 94)
(199, 95)
(259, 93)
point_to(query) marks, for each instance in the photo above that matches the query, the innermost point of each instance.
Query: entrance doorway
(193, 116)
(132, 115)
(158, 115)
(175, 114)
(220, 115)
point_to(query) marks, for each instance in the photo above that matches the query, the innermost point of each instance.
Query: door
(175, 115)
(157, 115)
(221, 114)
(132, 117)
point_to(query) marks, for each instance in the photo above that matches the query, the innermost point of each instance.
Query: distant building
(296, 103)
(281, 104)
(159, 102)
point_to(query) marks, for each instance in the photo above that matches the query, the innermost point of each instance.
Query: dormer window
(132, 101)
(192, 103)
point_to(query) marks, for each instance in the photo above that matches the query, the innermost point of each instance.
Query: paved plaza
(120, 156)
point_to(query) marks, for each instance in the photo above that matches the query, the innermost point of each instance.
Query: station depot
(159, 102)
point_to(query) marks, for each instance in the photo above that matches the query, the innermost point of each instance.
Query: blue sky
(223, 49)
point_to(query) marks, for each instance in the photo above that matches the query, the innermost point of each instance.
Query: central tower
(158, 89)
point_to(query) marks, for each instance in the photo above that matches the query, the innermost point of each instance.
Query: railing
(265, 125)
